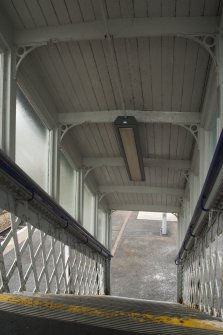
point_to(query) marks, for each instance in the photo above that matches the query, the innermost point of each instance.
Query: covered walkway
(110, 105)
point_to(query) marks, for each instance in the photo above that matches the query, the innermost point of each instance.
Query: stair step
(51, 314)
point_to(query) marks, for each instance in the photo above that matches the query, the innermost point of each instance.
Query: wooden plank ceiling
(155, 74)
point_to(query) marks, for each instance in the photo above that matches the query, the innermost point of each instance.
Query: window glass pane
(32, 142)
(101, 227)
(89, 210)
(68, 186)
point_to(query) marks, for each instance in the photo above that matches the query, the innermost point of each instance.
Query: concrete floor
(143, 266)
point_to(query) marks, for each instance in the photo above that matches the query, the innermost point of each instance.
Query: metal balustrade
(46, 250)
(200, 259)
(202, 272)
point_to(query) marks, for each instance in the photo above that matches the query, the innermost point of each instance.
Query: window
(68, 186)
(89, 210)
(32, 142)
(102, 231)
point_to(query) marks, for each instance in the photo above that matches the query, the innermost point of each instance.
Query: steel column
(8, 107)
(80, 196)
(220, 82)
(96, 216)
(55, 164)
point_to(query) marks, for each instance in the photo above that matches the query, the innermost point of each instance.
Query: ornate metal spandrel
(22, 51)
(207, 41)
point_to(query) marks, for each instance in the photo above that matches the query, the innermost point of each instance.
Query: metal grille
(41, 255)
(202, 269)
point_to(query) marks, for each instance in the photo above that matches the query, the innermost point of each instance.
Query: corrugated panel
(142, 198)
(38, 13)
(212, 7)
(165, 73)
(110, 313)
(165, 141)
(155, 73)
(157, 141)
(96, 140)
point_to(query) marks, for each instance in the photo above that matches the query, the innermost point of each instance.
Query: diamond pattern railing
(45, 250)
(31, 260)
(202, 269)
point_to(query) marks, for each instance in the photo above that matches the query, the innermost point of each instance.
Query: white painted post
(108, 261)
(80, 196)
(68, 268)
(164, 225)
(179, 231)
(201, 156)
(96, 216)
(109, 231)
(55, 165)
(220, 79)
(8, 106)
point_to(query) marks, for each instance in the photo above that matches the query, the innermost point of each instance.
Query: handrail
(15, 173)
(206, 199)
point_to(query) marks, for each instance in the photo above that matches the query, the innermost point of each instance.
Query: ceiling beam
(177, 164)
(141, 190)
(143, 207)
(118, 28)
(141, 116)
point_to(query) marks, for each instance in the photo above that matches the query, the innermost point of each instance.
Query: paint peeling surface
(121, 314)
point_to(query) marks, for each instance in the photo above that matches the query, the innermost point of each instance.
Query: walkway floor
(143, 266)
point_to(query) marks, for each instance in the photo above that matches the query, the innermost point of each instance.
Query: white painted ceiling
(155, 74)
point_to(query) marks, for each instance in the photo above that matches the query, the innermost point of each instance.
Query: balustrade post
(180, 284)
(107, 276)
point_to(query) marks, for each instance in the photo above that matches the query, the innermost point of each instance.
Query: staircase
(64, 314)
(73, 270)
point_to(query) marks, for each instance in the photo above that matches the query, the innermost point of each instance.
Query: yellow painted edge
(135, 316)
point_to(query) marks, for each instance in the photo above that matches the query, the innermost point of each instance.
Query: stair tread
(117, 313)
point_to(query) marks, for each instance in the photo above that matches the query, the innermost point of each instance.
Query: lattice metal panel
(203, 269)
(38, 255)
